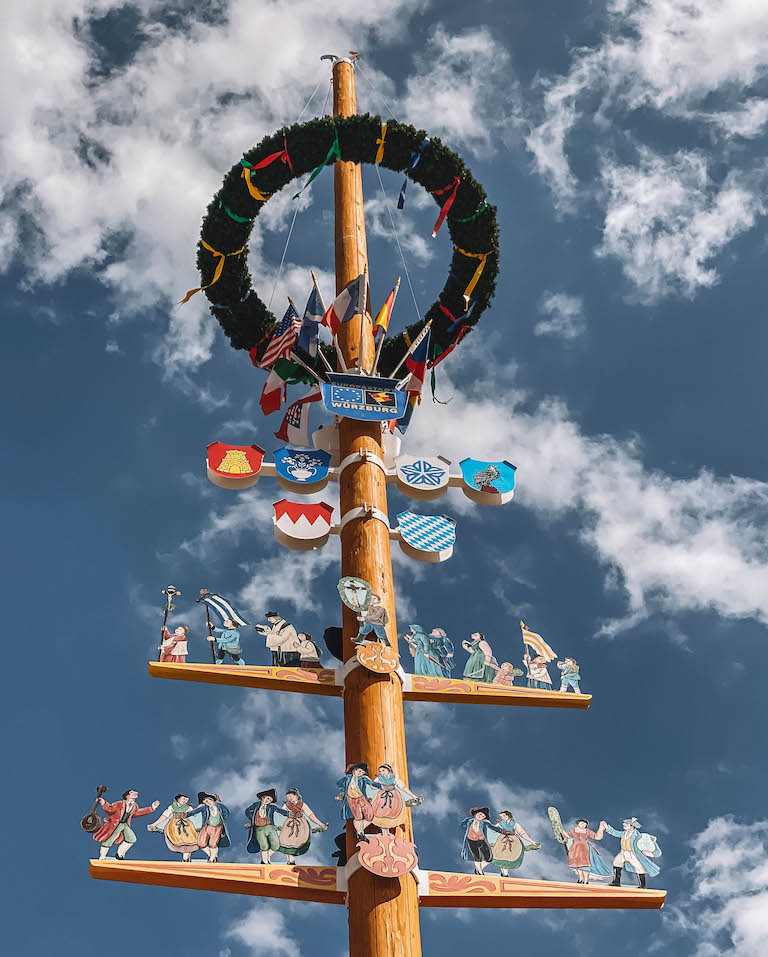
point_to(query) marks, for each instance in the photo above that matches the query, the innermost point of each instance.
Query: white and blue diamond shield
(424, 478)
(427, 538)
(488, 483)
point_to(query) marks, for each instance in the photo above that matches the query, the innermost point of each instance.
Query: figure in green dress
(481, 665)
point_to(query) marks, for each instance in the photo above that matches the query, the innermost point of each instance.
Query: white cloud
(565, 315)
(464, 89)
(264, 930)
(701, 63)
(727, 915)
(666, 220)
(670, 544)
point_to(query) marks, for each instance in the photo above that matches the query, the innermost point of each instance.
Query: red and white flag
(295, 425)
(344, 306)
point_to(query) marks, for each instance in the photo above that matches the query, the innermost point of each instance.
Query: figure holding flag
(226, 639)
(538, 676)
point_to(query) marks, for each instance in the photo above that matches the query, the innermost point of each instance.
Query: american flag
(284, 339)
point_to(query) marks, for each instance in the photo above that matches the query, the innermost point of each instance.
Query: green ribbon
(334, 153)
(237, 219)
(468, 219)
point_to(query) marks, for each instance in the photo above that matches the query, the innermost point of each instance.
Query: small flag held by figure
(313, 317)
(223, 608)
(344, 307)
(284, 338)
(295, 425)
(540, 647)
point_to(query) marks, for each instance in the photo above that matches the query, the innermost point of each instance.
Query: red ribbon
(449, 350)
(282, 155)
(453, 187)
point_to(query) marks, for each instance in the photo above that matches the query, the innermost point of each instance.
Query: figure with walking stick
(170, 592)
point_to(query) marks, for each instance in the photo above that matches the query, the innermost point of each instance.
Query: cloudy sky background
(621, 368)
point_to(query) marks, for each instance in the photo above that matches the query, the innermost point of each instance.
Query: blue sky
(621, 368)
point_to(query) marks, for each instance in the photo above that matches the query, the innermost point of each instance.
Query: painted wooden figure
(476, 846)
(506, 674)
(227, 641)
(389, 805)
(636, 853)
(309, 653)
(357, 790)
(426, 660)
(176, 824)
(174, 645)
(296, 833)
(117, 829)
(481, 665)
(282, 641)
(538, 676)
(441, 647)
(374, 619)
(210, 818)
(569, 677)
(264, 820)
(508, 847)
(583, 857)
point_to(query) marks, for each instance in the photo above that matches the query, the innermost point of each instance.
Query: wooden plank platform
(319, 884)
(291, 882)
(449, 889)
(417, 687)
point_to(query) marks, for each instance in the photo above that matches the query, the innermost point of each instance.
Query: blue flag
(310, 324)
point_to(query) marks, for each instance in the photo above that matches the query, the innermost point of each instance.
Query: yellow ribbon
(478, 272)
(217, 273)
(380, 142)
(254, 190)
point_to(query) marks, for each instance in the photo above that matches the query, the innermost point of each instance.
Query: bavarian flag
(385, 313)
(537, 643)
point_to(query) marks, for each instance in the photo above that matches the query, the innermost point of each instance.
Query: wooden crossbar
(324, 682)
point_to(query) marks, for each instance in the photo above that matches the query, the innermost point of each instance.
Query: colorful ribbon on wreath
(451, 189)
(217, 273)
(483, 257)
(380, 144)
(415, 157)
(334, 153)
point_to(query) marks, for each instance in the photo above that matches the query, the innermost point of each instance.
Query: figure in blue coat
(443, 650)
(210, 820)
(425, 662)
(228, 642)
(636, 852)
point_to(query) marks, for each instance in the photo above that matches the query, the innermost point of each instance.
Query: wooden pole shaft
(383, 912)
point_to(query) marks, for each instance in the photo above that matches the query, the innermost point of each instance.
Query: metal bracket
(340, 674)
(368, 458)
(363, 511)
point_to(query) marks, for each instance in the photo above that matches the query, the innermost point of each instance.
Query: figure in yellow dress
(180, 832)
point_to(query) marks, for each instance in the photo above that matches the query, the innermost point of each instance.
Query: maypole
(383, 915)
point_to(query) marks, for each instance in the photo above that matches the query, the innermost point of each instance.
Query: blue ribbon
(415, 157)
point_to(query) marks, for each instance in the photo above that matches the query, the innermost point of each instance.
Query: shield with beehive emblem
(234, 466)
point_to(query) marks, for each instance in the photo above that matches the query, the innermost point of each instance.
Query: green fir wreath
(304, 147)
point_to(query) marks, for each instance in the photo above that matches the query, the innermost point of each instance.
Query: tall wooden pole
(383, 912)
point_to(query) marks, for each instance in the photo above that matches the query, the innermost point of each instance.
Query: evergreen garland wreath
(229, 220)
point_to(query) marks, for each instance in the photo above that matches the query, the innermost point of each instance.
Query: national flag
(537, 643)
(310, 324)
(284, 372)
(294, 428)
(416, 363)
(344, 306)
(223, 608)
(382, 319)
(436, 361)
(401, 424)
(283, 338)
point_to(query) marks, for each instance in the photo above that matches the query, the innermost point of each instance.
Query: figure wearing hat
(569, 675)
(356, 790)
(476, 846)
(264, 836)
(636, 853)
(282, 641)
(117, 827)
(210, 817)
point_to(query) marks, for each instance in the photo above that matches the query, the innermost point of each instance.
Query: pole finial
(351, 58)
